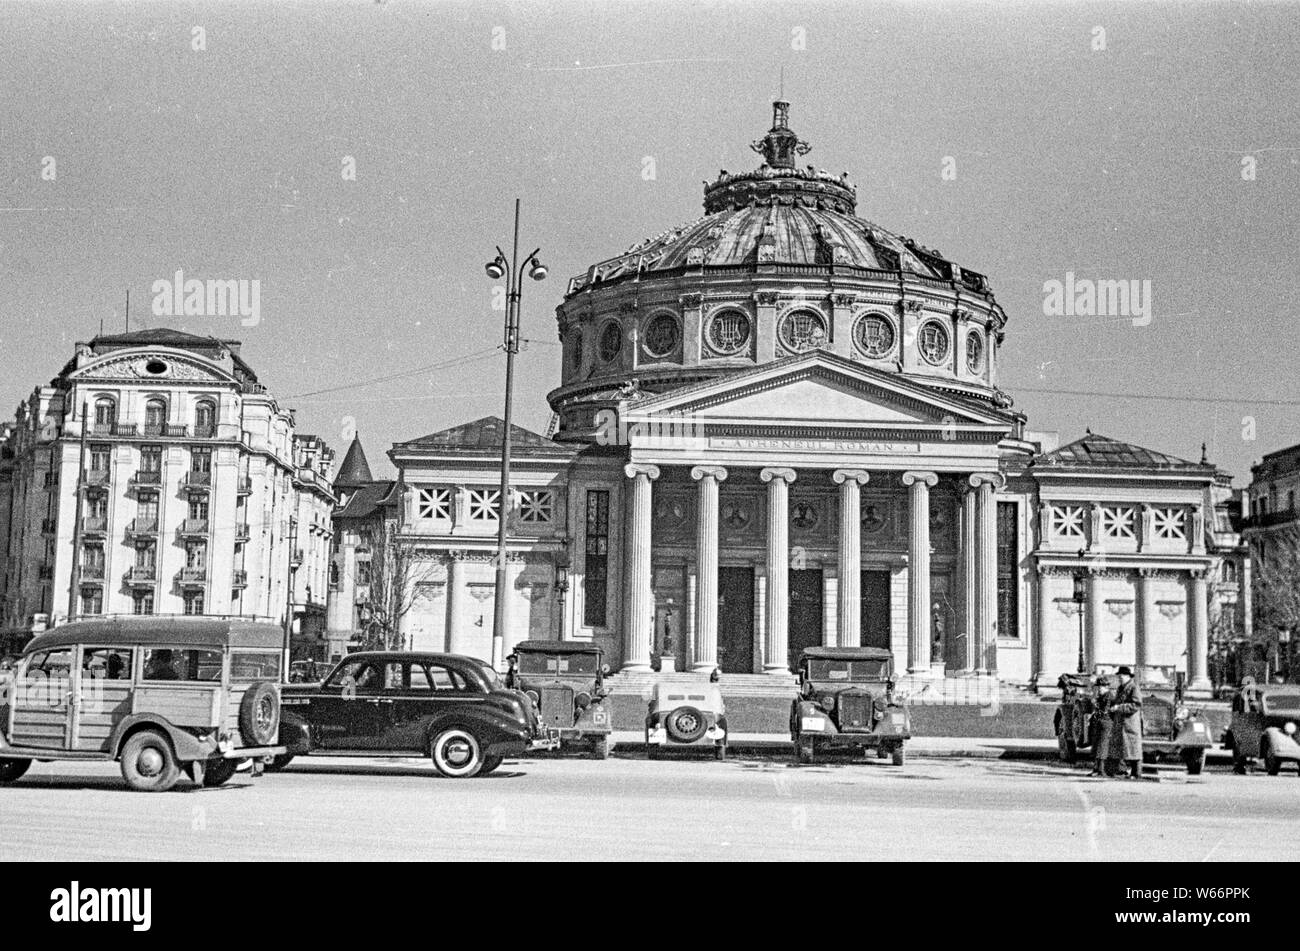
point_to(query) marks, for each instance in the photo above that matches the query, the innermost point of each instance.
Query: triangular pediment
(820, 390)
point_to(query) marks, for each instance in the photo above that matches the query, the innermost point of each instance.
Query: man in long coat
(1126, 712)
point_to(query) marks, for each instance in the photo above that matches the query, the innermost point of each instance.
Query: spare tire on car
(686, 724)
(259, 714)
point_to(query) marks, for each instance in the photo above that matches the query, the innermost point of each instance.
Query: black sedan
(451, 708)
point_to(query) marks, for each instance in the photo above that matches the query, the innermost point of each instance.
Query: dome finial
(780, 145)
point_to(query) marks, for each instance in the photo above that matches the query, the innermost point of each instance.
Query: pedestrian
(1126, 711)
(1102, 730)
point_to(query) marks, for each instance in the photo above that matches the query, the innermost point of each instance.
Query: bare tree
(389, 583)
(1277, 589)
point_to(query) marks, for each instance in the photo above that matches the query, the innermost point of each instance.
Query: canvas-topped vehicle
(846, 701)
(683, 715)
(161, 696)
(566, 682)
(1266, 726)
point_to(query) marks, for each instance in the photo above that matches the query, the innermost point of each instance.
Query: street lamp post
(1080, 597)
(562, 582)
(511, 269)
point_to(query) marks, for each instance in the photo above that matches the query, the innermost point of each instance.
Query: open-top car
(686, 714)
(454, 709)
(1171, 729)
(846, 700)
(1265, 721)
(159, 695)
(566, 682)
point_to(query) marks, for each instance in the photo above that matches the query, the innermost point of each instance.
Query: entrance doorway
(875, 609)
(805, 612)
(736, 620)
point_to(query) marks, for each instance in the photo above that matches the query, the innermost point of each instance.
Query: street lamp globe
(496, 269)
(538, 271)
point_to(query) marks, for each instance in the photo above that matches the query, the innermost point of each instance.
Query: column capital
(717, 472)
(995, 479)
(634, 469)
(776, 472)
(860, 476)
(913, 476)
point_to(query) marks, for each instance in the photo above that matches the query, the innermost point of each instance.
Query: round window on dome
(933, 342)
(803, 330)
(662, 336)
(974, 352)
(874, 335)
(611, 342)
(729, 332)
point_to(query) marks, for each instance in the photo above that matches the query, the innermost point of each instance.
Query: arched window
(155, 416)
(205, 418)
(105, 414)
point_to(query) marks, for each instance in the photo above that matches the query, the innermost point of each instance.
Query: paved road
(629, 807)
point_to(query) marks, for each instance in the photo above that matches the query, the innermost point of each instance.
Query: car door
(352, 710)
(43, 700)
(433, 690)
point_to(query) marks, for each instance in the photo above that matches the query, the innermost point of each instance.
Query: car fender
(295, 733)
(1189, 737)
(186, 746)
(596, 717)
(1282, 743)
(807, 716)
(488, 724)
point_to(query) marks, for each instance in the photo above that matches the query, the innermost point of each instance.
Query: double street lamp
(512, 269)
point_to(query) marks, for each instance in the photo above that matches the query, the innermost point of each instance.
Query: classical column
(970, 573)
(830, 602)
(760, 612)
(706, 548)
(776, 635)
(849, 615)
(986, 604)
(918, 570)
(1044, 619)
(1144, 623)
(638, 609)
(1198, 631)
(455, 593)
(692, 612)
(1092, 630)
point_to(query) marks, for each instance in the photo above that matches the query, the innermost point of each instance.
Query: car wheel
(899, 755)
(803, 748)
(148, 764)
(1195, 760)
(278, 763)
(13, 769)
(490, 763)
(219, 772)
(1272, 765)
(259, 714)
(686, 724)
(600, 747)
(456, 753)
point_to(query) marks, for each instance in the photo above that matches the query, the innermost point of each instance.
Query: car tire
(219, 772)
(804, 749)
(259, 714)
(1272, 765)
(148, 763)
(12, 770)
(278, 762)
(490, 764)
(456, 753)
(1195, 761)
(686, 724)
(898, 755)
(600, 747)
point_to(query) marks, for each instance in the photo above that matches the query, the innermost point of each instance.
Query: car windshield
(1282, 702)
(491, 676)
(848, 670)
(1157, 677)
(530, 663)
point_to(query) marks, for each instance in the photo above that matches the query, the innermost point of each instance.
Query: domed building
(780, 426)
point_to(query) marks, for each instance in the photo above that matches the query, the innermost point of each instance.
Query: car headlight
(582, 701)
(1290, 728)
(1181, 713)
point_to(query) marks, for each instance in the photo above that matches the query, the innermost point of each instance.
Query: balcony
(142, 527)
(192, 577)
(92, 572)
(245, 486)
(194, 526)
(144, 479)
(239, 578)
(1271, 519)
(197, 481)
(141, 575)
(97, 478)
(242, 533)
(94, 525)
(205, 432)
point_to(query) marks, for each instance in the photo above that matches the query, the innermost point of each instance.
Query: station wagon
(158, 695)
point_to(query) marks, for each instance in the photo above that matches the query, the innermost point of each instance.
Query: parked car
(1170, 728)
(846, 701)
(566, 682)
(451, 708)
(309, 671)
(158, 695)
(1265, 719)
(683, 715)
(1073, 720)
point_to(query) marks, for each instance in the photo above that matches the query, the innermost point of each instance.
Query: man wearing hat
(1126, 713)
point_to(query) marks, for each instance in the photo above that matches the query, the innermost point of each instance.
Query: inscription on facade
(814, 445)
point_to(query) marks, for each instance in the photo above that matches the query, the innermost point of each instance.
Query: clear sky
(1117, 163)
